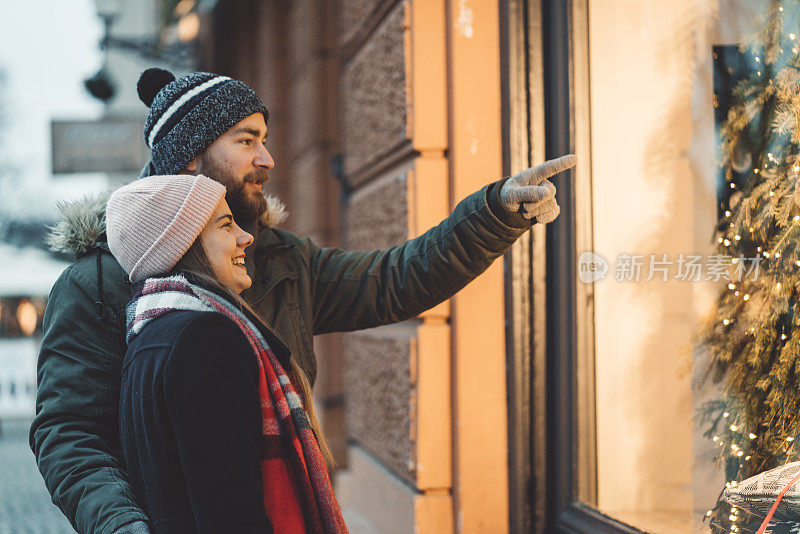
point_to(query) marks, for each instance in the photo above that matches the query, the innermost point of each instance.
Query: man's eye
(247, 142)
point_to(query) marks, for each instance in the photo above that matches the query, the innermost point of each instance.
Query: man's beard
(246, 206)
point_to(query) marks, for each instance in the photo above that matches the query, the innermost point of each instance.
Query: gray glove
(532, 194)
(137, 527)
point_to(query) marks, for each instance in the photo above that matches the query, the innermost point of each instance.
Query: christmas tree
(754, 333)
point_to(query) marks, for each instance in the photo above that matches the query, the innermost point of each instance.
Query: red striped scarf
(298, 496)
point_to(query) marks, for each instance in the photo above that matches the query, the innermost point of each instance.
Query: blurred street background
(25, 505)
(43, 62)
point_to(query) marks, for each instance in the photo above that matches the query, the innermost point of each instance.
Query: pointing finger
(551, 168)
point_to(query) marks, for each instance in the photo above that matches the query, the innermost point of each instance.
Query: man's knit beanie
(188, 114)
(152, 222)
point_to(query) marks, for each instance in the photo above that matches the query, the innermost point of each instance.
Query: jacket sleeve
(358, 289)
(74, 435)
(211, 394)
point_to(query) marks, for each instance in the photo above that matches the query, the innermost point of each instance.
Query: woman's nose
(245, 239)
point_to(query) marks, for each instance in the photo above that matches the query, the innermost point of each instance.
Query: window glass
(657, 195)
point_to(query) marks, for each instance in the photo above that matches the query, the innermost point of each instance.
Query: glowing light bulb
(719, 240)
(726, 242)
(726, 414)
(778, 285)
(790, 438)
(734, 428)
(727, 213)
(726, 322)
(715, 438)
(751, 435)
(783, 336)
(737, 237)
(792, 36)
(796, 168)
(746, 296)
(731, 286)
(736, 293)
(772, 193)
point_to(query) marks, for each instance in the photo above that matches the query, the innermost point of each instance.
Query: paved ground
(25, 506)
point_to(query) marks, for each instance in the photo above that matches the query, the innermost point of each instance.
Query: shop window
(657, 197)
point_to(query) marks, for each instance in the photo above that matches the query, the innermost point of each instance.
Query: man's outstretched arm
(362, 289)
(74, 435)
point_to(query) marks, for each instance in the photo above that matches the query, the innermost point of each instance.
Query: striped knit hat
(188, 114)
(152, 222)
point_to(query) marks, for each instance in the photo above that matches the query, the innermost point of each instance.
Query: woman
(214, 433)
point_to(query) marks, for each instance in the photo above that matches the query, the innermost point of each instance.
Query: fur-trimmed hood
(83, 223)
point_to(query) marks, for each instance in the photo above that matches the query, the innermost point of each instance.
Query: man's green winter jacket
(298, 288)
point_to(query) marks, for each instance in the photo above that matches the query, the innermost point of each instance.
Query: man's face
(239, 160)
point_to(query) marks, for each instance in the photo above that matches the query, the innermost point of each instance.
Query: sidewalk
(25, 506)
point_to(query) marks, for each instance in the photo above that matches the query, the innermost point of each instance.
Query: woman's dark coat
(190, 425)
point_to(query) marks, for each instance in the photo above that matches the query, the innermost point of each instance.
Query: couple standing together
(176, 368)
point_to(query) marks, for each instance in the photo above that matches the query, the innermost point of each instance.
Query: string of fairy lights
(735, 442)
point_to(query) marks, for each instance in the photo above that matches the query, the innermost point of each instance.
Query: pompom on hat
(152, 222)
(189, 113)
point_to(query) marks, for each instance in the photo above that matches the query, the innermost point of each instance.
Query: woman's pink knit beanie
(152, 222)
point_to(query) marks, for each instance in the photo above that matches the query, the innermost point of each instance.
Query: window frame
(550, 326)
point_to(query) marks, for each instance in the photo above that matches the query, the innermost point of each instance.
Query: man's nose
(264, 158)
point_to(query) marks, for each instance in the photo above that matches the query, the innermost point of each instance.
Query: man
(204, 123)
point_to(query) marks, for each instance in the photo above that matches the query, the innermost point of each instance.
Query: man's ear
(191, 167)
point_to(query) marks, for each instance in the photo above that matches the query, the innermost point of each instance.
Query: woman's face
(224, 243)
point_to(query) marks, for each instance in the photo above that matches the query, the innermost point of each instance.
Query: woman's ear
(191, 167)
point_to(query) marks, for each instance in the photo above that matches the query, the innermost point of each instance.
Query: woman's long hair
(196, 263)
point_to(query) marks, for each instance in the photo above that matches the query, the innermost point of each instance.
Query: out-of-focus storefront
(25, 280)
